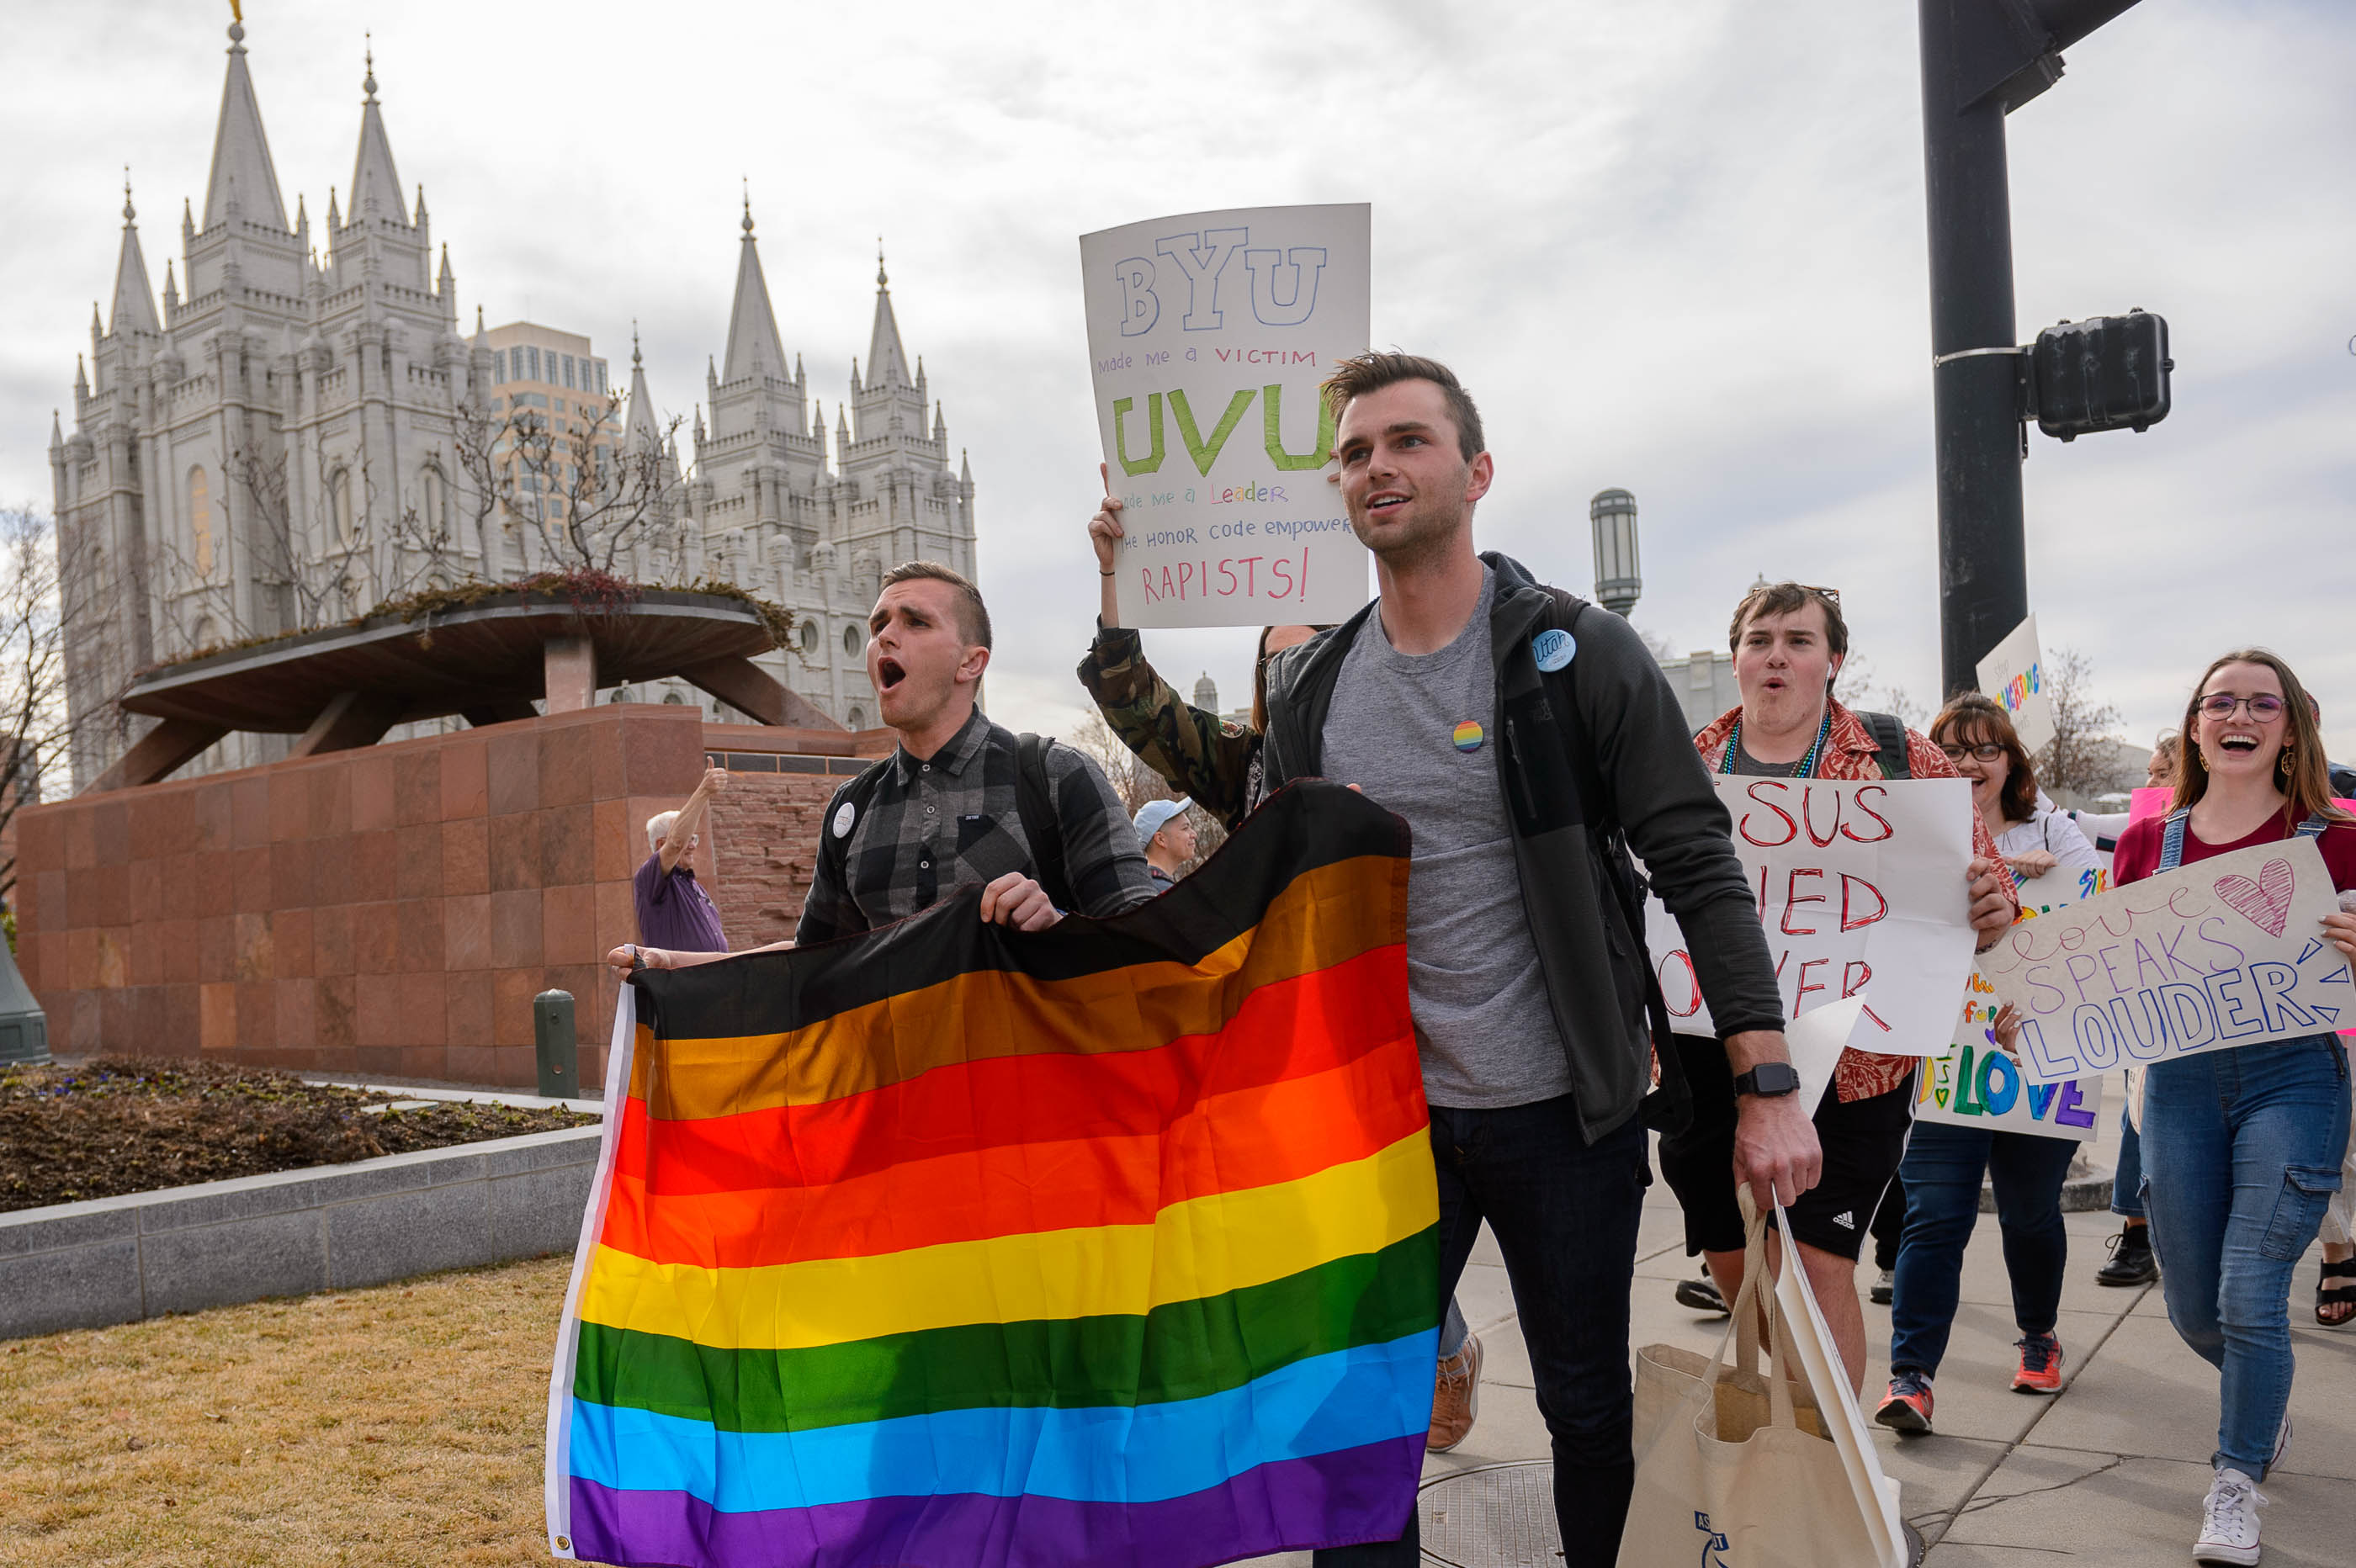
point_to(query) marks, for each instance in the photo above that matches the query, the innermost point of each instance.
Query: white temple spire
(887, 362)
(241, 151)
(752, 324)
(135, 302)
(374, 179)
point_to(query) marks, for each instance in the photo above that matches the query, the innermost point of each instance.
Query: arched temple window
(200, 521)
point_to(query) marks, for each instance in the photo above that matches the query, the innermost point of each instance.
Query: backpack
(1668, 1109)
(1034, 803)
(1888, 732)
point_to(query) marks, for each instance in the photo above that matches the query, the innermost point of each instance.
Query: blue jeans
(1453, 1330)
(2126, 1182)
(2244, 1146)
(1942, 1172)
(1565, 1217)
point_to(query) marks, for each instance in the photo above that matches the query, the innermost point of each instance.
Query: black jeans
(1565, 1216)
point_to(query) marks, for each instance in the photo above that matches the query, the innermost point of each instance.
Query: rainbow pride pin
(1468, 736)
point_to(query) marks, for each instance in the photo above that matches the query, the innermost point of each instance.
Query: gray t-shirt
(1413, 732)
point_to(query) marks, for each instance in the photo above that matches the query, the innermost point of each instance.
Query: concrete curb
(116, 1260)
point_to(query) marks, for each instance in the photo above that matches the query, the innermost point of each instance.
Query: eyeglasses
(2265, 708)
(1986, 751)
(1831, 594)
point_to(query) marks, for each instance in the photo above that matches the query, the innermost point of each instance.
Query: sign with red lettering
(2228, 951)
(1208, 336)
(1861, 889)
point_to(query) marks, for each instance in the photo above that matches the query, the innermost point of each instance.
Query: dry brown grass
(396, 1426)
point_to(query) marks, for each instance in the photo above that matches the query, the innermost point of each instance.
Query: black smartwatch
(1768, 1080)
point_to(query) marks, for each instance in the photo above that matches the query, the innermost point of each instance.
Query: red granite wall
(392, 909)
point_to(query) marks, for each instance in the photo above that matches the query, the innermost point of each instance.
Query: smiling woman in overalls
(2242, 1146)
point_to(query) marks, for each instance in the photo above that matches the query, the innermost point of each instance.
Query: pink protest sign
(2226, 952)
(2154, 802)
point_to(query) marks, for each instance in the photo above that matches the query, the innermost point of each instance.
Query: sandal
(2342, 1297)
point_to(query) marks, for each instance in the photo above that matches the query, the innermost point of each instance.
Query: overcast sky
(1677, 248)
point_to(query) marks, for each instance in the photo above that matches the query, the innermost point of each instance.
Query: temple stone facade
(279, 446)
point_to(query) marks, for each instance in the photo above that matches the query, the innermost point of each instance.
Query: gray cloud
(1673, 248)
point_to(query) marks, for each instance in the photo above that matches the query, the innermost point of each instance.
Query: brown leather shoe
(1455, 1397)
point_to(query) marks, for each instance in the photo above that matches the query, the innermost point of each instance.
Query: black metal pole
(1983, 559)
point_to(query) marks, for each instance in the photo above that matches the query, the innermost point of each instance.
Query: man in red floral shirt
(1789, 642)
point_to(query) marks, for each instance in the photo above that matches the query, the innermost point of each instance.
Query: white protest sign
(1815, 1042)
(1208, 334)
(2222, 953)
(2061, 887)
(2014, 674)
(1860, 887)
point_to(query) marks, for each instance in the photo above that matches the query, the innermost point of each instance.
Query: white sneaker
(2282, 1444)
(2229, 1525)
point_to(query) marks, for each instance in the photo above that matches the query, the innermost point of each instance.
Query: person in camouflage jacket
(1216, 761)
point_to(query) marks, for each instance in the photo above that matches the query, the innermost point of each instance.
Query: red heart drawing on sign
(2264, 904)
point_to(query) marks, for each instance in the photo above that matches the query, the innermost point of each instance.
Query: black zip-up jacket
(1619, 773)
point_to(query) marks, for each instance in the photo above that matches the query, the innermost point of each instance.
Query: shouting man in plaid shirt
(944, 811)
(1789, 642)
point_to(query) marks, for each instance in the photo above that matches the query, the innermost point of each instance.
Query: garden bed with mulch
(117, 1124)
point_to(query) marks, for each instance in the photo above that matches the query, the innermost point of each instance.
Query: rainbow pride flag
(1112, 1244)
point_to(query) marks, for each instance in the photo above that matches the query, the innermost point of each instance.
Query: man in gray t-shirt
(1445, 702)
(1412, 732)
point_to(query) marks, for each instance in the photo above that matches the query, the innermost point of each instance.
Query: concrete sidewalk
(2108, 1474)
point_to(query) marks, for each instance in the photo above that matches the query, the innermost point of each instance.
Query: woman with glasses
(1944, 1164)
(2242, 1146)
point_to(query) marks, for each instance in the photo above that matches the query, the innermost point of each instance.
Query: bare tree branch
(590, 496)
(2082, 757)
(1858, 690)
(34, 723)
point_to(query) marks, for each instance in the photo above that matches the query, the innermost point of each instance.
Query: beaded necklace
(1807, 765)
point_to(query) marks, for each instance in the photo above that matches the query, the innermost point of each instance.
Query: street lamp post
(1619, 578)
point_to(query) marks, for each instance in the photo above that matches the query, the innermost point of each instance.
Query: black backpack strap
(1888, 732)
(1043, 825)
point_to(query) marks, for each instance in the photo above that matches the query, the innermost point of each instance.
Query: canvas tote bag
(1746, 1468)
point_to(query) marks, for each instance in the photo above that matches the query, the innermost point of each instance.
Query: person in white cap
(1167, 837)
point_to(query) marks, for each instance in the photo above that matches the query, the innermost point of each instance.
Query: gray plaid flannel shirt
(932, 827)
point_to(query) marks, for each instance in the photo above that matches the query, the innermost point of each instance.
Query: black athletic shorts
(1863, 1142)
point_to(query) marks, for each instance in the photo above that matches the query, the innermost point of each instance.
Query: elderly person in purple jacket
(674, 912)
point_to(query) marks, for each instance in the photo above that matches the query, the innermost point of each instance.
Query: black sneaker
(1701, 1295)
(2131, 1262)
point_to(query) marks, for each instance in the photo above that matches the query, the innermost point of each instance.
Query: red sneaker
(2040, 1365)
(1907, 1407)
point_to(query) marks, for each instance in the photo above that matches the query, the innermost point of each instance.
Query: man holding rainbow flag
(971, 1232)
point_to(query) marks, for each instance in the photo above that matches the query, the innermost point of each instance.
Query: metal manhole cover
(1500, 1516)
